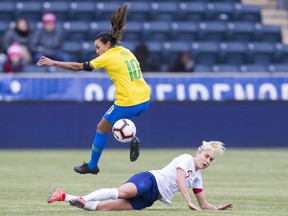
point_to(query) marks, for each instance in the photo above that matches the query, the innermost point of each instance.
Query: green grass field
(254, 180)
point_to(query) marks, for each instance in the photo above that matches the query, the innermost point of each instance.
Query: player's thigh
(127, 191)
(109, 205)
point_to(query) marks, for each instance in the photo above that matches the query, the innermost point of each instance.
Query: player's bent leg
(127, 191)
(110, 205)
(134, 149)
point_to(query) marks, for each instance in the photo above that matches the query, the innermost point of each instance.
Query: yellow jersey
(124, 70)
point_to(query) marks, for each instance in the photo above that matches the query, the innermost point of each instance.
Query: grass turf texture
(254, 180)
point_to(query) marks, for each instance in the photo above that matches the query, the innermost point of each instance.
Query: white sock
(91, 206)
(102, 194)
(69, 197)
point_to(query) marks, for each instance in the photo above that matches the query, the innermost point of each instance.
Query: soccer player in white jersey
(145, 188)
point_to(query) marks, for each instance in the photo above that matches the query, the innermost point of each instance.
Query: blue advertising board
(62, 110)
(98, 87)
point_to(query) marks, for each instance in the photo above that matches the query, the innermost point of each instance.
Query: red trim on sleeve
(197, 190)
(63, 196)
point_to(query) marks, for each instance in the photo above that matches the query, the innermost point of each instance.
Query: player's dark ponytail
(118, 21)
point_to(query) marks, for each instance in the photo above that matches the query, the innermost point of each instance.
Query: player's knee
(104, 127)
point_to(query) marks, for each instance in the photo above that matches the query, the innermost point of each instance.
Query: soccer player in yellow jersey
(132, 92)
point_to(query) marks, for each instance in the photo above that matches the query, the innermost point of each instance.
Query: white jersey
(166, 177)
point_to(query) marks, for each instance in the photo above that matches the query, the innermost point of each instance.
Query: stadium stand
(205, 52)
(192, 11)
(59, 8)
(240, 31)
(184, 31)
(29, 10)
(269, 33)
(261, 53)
(73, 48)
(212, 31)
(225, 68)
(248, 13)
(76, 31)
(281, 53)
(165, 11)
(278, 68)
(234, 53)
(139, 12)
(255, 68)
(7, 9)
(222, 35)
(158, 30)
(82, 11)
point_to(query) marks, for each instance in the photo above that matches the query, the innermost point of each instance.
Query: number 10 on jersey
(134, 69)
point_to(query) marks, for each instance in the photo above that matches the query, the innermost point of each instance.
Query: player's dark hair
(118, 21)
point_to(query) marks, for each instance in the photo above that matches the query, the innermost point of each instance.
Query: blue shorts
(116, 112)
(147, 190)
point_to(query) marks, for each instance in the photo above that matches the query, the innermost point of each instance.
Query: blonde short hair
(216, 146)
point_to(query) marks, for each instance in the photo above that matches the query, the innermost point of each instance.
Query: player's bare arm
(65, 65)
(205, 205)
(182, 188)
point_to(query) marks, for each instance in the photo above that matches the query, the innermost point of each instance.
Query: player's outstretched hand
(193, 207)
(45, 61)
(225, 207)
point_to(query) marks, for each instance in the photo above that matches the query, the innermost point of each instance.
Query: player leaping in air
(132, 92)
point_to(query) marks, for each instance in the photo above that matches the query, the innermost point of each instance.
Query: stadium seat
(83, 11)
(7, 11)
(227, 1)
(164, 11)
(158, 30)
(31, 68)
(4, 26)
(202, 68)
(156, 49)
(212, 31)
(184, 31)
(225, 68)
(278, 68)
(32, 11)
(53, 69)
(250, 13)
(192, 11)
(172, 48)
(97, 27)
(261, 53)
(256, 68)
(74, 49)
(281, 53)
(233, 53)
(134, 31)
(240, 31)
(60, 9)
(131, 45)
(139, 11)
(205, 53)
(105, 9)
(213, 1)
(87, 51)
(219, 11)
(268, 33)
(76, 31)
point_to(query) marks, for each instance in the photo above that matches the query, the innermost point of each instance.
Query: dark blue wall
(165, 124)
